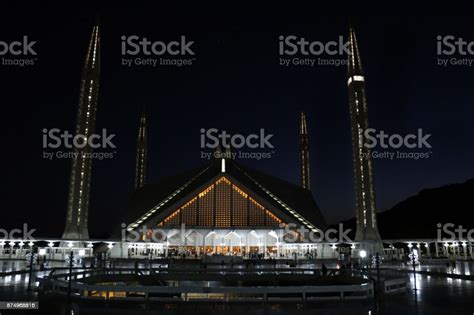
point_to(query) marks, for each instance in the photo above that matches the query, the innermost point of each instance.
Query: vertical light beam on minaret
(140, 164)
(363, 171)
(79, 184)
(304, 154)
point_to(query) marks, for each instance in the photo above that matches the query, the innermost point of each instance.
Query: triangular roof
(150, 204)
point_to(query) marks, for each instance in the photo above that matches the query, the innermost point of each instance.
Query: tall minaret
(304, 154)
(140, 164)
(363, 174)
(79, 184)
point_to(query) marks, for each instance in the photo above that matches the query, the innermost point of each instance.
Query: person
(324, 270)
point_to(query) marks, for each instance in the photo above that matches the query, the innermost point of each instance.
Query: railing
(57, 281)
(195, 293)
(395, 285)
(55, 274)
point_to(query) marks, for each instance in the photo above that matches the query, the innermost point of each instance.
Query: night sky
(235, 84)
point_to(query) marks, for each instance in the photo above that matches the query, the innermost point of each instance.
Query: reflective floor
(434, 295)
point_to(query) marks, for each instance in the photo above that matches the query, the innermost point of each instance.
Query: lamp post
(377, 266)
(71, 261)
(32, 258)
(362, 255)
(42, 255)
(51, 250)
(414, 259)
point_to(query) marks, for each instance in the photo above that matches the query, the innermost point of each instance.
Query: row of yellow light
(206, 191)
(274, 217)
(240, 191)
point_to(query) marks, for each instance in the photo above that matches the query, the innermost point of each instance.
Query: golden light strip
(206, 191)
(240, 191)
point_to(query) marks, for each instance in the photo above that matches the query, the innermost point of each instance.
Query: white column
(265, 246)
(247, 243)
(446, 249)
(195, 245)
(213, 243)
(436, 249)
(278, 247)
(204, 245)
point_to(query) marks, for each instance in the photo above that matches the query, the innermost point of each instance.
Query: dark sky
(235, 84)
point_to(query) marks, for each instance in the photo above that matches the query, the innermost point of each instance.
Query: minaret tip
(140, 163)
(303, 126)
(355, 64)
(304, 154)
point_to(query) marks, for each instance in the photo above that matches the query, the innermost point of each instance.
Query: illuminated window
(206, 207)
(223, 193)
(189, 212)
(256, 213)
(240, 205)
(222, 204)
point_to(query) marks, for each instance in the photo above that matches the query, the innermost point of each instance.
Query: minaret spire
(355, 64)
(363, 171)
(79, 184)
(304, 154)
(140, 164)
